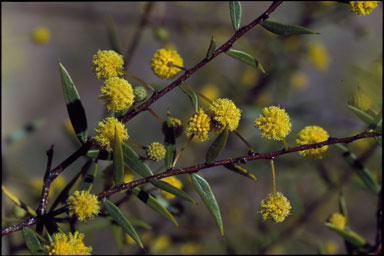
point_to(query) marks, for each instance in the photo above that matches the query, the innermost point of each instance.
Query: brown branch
(196, 168)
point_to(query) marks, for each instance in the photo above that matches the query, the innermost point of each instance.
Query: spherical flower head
(275, 207)
(360, 101)
(362, 7)
(127, 177)
(199, 125)
(319, 56)
(164, 61)
(140, 93)
(224, 114)
(107, 64)
(71, 244)
(83, 204)
(106, 132)
(338, 220)
(41, 35)
(310, 135)
(155, 151)
(274, 123)
(117, 94)
(174, 182)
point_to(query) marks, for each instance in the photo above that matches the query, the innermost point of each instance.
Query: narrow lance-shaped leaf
(169, 143)
(154, 204)
(235, 11)
(204, 190)
(90, 178)
(350, 236)
(362, 172)
(367, 118)
(112, 35)
(245, 58)
(217, 146)
(118, 237)
(211, 48)
(100, 154)
(284, 29)
(172, 189)
(192, 96)
(139, 223)
(240, 170)
(343, 207)
(133, 161)
(118, 160)
(119, 217)
(33, 244)
(75, 109)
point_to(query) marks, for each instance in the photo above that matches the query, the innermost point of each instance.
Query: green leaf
(284, 29)
(24, 131)
(32, 242)
(90, 178)
(100, 154)
(206, 194)
(139, 223)
(133, 161)
(169, 143)
(118, 160)
(361, 171)
(117, 233)
(153, 203)
(217, 146)
(235, 11)
(343, 207)
(349, 235)
(75, 109)
(240, 170)
(362, 115)
(112, 35)
(211, 48)
(119, 217)
(172, 189)
(192, 96)
(245, 58)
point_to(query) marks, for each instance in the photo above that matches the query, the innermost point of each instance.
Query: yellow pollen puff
(155, 151)
(360, 101)
(275, 207)
(338, 220)
(362, 7)
(310, 135)
(117, 94)
(107, 64)
(224, 114)
(41, 35)
(71, 244)
(274, 123)
(106, 132)
(164, 63)
(318, 55)
(174, 182)
(83, 204)
(199, 125)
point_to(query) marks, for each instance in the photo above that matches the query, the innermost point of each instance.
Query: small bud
(140, 93)
(18, 212)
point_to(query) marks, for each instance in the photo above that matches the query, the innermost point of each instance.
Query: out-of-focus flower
(41, 35)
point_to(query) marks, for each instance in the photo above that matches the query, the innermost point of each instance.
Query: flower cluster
(362, 7)
(41, 35)
(174, 182)
(166, 63)
(155, 151)
(318, 55)
(275, 207)
(83, 204)
(199, 125)
(310, 135)
(338, 220)
(224, 114)
(106, 132)
(117, 94)
(107, 64)
(71, 244)
(274, 123)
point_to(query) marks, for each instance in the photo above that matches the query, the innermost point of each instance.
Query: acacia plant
(156, 174)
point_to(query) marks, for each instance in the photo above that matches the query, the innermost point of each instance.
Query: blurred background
(311, 76)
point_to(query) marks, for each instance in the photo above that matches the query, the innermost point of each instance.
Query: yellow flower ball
(106, 132)
(155, 151)
(338, 220)
(107, 64)
(318, 56)
(360, 101)
(117, 94)
(83, 204)
(199, 125)
(127, 177)
(71, 244)
(164, 61)
(224, 114)
(275, 207)
(299, 80)
(362, 7)
(210, 91)
(274, 123)
(310, 135)
(174, 182)
(41, 35)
